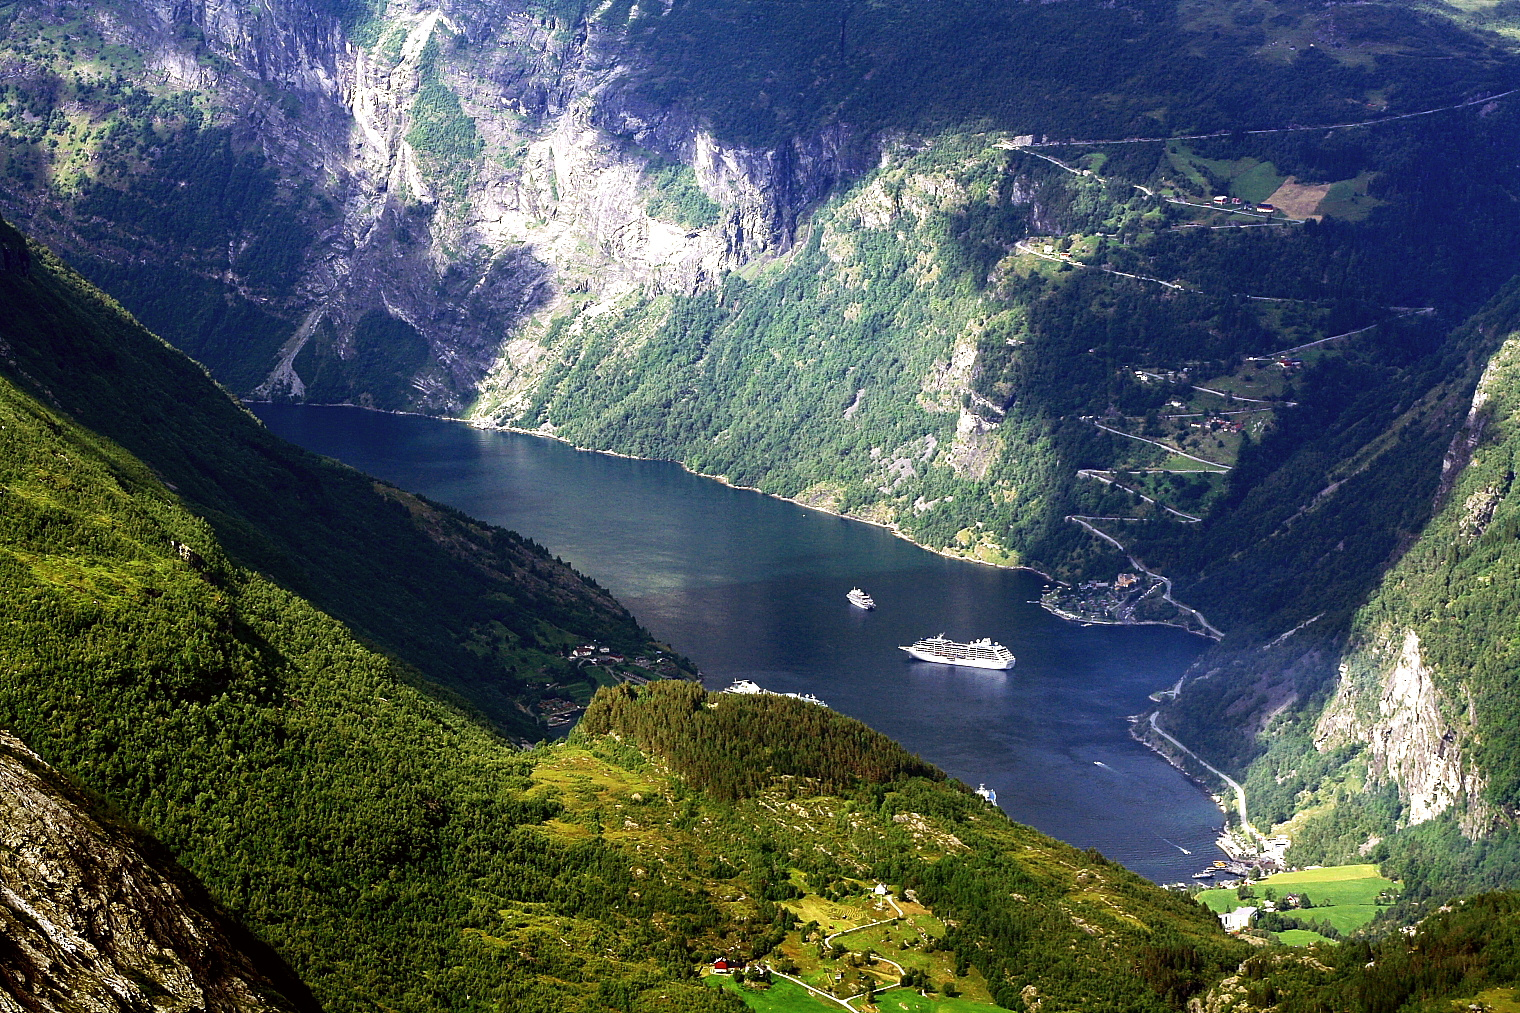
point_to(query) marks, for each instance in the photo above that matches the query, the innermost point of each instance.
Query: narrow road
(1312, 344)
(1102, 476)
(1166, 593)
(1230, 209)
(829, 940)
(1163, 446)
(1240, 793)
(1287, 129)
(816, 991)
(1254, 400)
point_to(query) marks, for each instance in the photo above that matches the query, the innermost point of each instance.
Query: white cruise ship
(860, 599)
(977, 654)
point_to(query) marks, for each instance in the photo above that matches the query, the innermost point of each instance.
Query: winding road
(1240, 793)
(829, 941)
(1166, 593)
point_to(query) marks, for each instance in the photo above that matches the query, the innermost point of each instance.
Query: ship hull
(934, 659)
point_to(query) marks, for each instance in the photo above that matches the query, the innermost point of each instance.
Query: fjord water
(751, 587)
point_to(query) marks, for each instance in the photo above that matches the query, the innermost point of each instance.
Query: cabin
(721, 966)
(1267, 209)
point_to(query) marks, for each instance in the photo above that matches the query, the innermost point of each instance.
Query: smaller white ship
(860, 599)
(977, 654)
(744, 687)
(987, 793)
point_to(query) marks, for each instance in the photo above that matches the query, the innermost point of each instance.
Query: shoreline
(1070, 617)
(891, 529)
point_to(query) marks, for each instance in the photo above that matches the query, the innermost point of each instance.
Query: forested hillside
(1199, 293)
(474, 608)
(98, 918)
(1402, 741)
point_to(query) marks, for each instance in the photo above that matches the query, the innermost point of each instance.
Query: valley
(1193, 322)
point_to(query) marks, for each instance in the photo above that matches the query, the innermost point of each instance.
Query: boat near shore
(982, 653)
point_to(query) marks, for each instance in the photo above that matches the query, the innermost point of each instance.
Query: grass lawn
(785, 997)
(1301, 937)
(1500, 1000)
(907, 1000)
(1343, 895)
(781, 997)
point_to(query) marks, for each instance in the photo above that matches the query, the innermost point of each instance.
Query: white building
(1238, 919)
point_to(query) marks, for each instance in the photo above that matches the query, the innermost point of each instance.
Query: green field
(781, 997)
(784, 997)
(1344, 895)
(1301, 937)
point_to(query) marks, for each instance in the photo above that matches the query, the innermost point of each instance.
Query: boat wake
(1179, 847)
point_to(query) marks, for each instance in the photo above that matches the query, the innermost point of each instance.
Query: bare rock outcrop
(93, 921)
(1413, 739)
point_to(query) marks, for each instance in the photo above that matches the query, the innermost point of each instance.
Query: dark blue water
(751, 587)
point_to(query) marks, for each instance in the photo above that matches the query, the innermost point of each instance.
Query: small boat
(860, 599)
(987, 793)
(1206, 874)
(977, 654)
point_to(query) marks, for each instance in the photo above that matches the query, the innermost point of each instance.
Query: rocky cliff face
(1426, 685)
(1414, 737)
(89, 922)
(460, 168)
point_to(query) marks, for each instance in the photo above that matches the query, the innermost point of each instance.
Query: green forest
(396, 850)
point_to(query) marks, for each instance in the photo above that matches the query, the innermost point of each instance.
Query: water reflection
(751, 587)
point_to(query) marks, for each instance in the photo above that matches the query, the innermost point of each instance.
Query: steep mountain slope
(95, 919)
(474, 608)
(1385, 725)
(619, 224)
(357, 824)
(1169, 290)
(394, 849)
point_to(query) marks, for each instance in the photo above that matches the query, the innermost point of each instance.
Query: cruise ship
(977, 654)
(860, 599)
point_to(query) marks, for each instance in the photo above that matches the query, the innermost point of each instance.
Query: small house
(720, 966)
(1267, 209)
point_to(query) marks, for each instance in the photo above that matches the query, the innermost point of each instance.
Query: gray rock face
(552, 209)
(88, 922)
(1413, 738)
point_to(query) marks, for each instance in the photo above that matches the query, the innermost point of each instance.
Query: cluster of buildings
(558, 712)
(1214, 424)
(602, 655)
(1236, 204)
